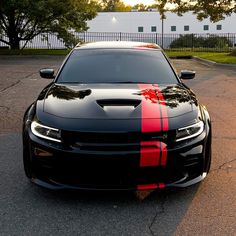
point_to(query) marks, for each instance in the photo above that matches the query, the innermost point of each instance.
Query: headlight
(189, 131)
(46, 132)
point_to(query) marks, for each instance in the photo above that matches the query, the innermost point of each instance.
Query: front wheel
(27, 162)
(208, 156)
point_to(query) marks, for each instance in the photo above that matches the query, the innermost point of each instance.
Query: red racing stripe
(149, 98)
(164, 114)
(154, 118)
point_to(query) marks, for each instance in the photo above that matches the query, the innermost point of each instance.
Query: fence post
(229, 41)
(120, 36)
(48, 40)
(192, 42)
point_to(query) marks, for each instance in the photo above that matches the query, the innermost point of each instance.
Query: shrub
(233, 53)
(191, 40)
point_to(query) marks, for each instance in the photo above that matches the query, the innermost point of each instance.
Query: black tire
(27, 162)
(208, 157)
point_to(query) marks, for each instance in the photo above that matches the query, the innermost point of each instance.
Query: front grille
(94, 137)
(109, 143)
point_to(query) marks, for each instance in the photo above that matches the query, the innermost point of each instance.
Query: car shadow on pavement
(33, 209)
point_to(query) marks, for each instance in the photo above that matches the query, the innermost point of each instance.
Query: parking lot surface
(208, 208)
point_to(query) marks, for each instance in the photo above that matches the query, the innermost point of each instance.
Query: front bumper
(67, 168)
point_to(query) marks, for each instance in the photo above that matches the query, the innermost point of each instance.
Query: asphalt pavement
(208, 208)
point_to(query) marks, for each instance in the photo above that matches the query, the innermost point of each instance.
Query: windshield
(117, 66)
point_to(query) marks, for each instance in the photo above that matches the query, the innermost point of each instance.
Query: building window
(154, 29)
(219, 27)
(186, 28)
(140, 29)
(206, 27)
(173, 28)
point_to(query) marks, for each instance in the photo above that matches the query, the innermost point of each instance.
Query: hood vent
(118, 102)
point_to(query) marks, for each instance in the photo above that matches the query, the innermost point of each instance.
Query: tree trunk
(12, 33)
(14, 43)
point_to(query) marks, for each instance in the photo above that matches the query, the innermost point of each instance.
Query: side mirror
(47, 73)
(187, 74)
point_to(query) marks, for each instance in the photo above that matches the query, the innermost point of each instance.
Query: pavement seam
(157, 212)
(17, 82)
(222, 165)
(10, 86)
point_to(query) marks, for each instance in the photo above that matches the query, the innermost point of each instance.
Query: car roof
(118, 45)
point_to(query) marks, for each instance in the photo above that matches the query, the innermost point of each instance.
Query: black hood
(115, 101)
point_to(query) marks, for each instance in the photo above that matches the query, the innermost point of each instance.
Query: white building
(143, 26)
(150, 22)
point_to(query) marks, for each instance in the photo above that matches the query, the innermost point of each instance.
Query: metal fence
(185, 42)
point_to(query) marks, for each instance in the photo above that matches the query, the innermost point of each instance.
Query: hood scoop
(118, 103)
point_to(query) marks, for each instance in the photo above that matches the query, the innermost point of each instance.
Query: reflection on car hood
(116, 101)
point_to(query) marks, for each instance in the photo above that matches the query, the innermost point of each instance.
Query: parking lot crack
(221, 167)
(228, 162)
(10, 86)
(158, 211)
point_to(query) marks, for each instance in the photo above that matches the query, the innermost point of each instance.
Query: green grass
(56, 52)
(219, 57)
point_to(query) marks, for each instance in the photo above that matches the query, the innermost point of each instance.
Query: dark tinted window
(140, 29)
(186, 28)
(117, 66)
(154, 29)
(206, 27)
(173, 28)
(219, 27)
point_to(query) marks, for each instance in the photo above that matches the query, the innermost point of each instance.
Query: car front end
(127, 123)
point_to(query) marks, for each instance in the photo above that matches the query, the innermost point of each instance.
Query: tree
(141, 7)
(23, 20)
(121, 7)
(114, 6)
(215, 10)
(109, 5)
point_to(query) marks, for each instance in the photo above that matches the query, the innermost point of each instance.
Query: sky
(134, 2)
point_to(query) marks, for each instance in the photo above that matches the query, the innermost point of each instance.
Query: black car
(116, 117)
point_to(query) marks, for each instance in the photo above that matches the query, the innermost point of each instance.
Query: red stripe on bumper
(151, 186)
(150, 154)
(161, 185)
(147, 186)
(164, 154)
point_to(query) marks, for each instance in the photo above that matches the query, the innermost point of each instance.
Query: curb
(206, 62)
(213, 63)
